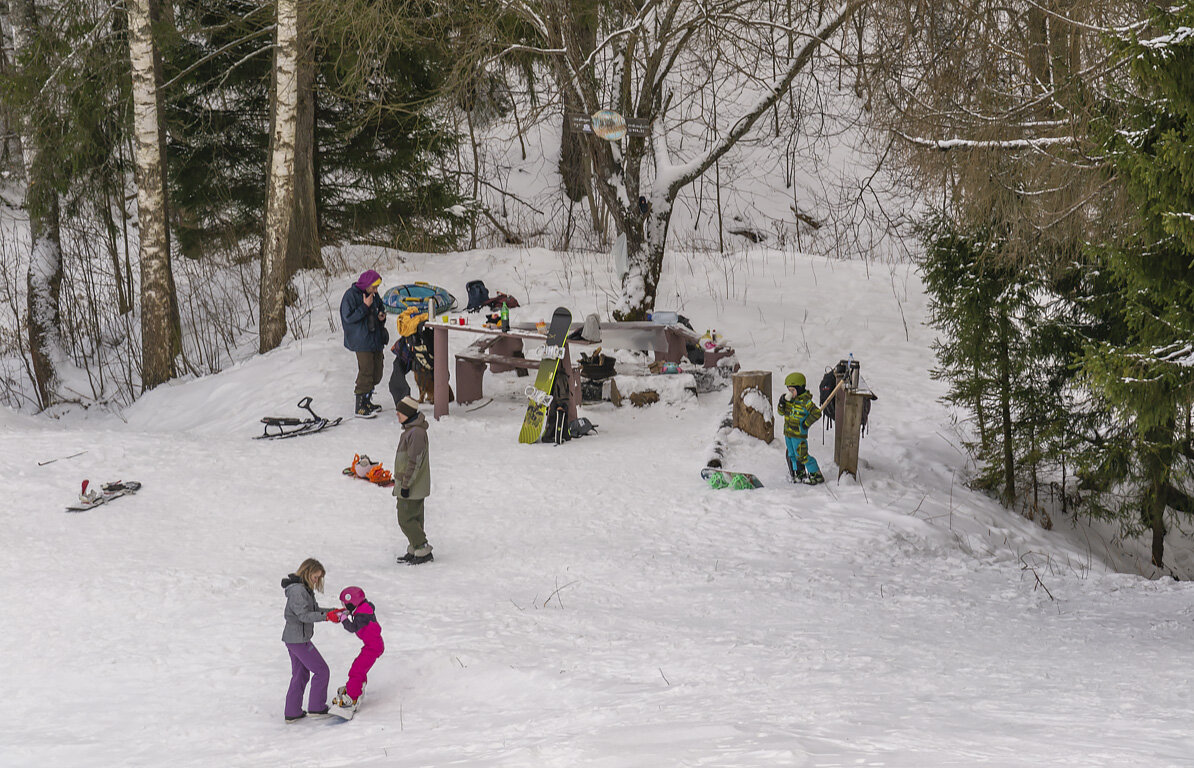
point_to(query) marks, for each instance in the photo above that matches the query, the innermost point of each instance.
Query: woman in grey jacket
(301, 614)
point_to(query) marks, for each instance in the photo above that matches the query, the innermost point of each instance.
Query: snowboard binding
(366, 469)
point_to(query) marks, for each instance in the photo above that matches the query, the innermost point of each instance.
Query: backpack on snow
(478, 295)
(825, 389)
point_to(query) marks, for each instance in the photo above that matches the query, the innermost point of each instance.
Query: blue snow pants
(798, 456)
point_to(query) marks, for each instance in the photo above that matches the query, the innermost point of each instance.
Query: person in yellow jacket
(799, 412)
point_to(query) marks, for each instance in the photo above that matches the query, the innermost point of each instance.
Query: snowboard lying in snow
(110, 491)
(727, 478)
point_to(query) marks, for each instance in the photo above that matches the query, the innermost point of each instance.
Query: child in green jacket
(799, 414)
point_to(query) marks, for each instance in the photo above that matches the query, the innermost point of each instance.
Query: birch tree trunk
(44, 277)
(159, 325)
(279, 205)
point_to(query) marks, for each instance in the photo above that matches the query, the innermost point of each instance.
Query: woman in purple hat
(364, 318)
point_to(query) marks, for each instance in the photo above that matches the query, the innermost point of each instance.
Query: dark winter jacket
(412, 461)
(301, 611)
(799, 414)
(362, 622)
(364, 331)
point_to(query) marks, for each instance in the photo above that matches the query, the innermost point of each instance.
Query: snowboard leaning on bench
(540, 393)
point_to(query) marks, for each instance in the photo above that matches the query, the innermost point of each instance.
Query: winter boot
(362, 407)
(373, 407)
(420, 555)
(816, 478)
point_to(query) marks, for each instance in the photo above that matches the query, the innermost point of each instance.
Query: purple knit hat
(367, 279)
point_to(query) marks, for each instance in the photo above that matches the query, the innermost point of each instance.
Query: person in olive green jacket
(412, 480)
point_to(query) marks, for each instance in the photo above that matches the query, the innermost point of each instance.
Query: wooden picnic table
(499, 351)
(503, 351)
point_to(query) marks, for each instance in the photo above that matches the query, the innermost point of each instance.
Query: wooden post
(573, 375)
(847, 431)
(749, 420)
(439, 364)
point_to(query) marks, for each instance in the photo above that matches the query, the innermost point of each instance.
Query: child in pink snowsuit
(358, 618)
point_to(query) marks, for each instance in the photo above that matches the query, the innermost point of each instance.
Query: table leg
(440, 371)
(675, 347)
(573, 385)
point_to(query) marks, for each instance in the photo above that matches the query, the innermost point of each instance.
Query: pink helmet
(352, 596)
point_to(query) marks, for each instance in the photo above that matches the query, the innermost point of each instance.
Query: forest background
(169, 168)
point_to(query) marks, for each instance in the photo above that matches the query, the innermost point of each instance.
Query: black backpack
(478, 295)
(828, 382)
(826, 387)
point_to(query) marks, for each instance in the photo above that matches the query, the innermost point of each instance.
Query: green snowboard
(540, 393)
(725, 478)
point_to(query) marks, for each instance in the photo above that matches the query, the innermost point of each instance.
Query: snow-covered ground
(593, 604)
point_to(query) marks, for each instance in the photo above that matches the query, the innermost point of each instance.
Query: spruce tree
(1008, 337)
(1147, 377)
(378, 143)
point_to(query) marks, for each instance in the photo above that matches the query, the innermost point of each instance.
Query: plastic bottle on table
(505, 315)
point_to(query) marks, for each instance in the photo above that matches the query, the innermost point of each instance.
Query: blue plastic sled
(418, 294)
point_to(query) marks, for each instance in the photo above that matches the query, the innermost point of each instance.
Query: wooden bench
(500, 354)
(472, 362)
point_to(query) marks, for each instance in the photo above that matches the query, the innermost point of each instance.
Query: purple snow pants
(304, 662)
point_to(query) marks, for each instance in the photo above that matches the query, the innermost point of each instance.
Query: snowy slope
(590, 605)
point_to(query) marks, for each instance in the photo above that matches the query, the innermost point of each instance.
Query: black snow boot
(372, 406)
(362, 408)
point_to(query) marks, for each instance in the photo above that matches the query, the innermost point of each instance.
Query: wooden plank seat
(496, 353)
(508, 361)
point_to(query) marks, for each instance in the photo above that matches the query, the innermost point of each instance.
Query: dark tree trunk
(573, 153)
(1156, 463)
(1005, 409)
(43, 281)
(303, 247)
